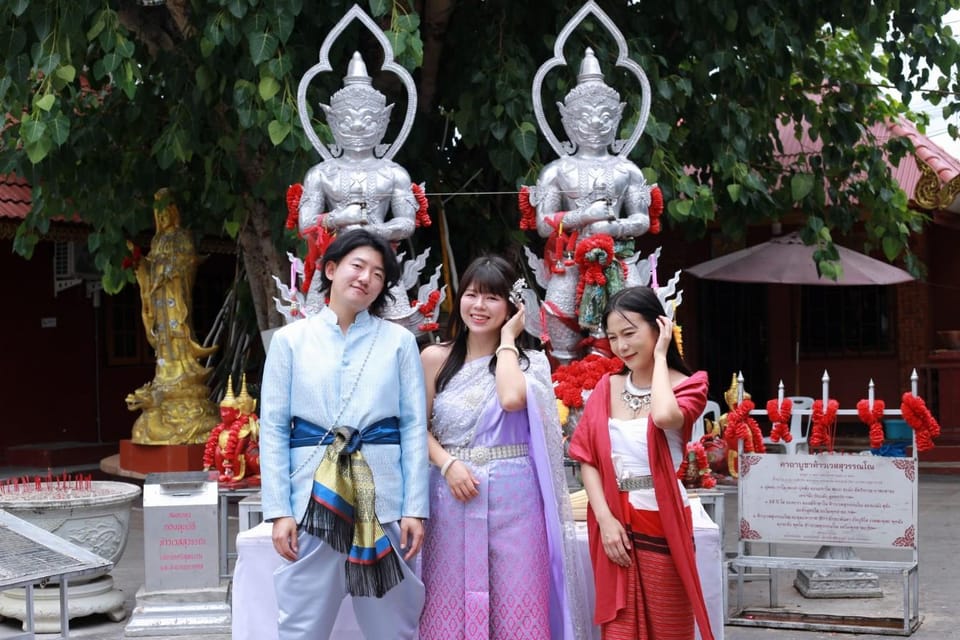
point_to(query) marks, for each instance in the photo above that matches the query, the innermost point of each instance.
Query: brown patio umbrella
(786, 260)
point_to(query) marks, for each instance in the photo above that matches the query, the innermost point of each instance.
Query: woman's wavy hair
(644, 301)
(491, 275)
(346, 242)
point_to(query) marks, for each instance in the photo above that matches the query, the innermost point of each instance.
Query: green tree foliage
(107, 101)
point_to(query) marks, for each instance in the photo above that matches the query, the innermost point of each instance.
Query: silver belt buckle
(480, 455)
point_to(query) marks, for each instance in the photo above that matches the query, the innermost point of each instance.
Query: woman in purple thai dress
(499, 558)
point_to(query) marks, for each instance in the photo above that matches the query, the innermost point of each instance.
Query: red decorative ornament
(294, 193)
(699, 475)
(780, 418)
(926, 427)
(528, 214)
(318, 239)
(872, 417)
(742, 426)
(656, 209)
(429, 326)
(426, 309)
(823, 422)
(571, 380)
(593, 255)
(423, 215)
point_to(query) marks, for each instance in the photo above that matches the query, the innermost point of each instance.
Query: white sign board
(864, 501)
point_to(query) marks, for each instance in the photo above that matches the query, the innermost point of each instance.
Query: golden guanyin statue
(175, 404)
(233, 447)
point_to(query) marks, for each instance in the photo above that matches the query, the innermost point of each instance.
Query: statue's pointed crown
(245, 403)
(357, 88)
(590, 85)
(229, 400)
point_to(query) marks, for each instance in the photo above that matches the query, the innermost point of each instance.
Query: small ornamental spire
(589, 68)
(229, 400)
(357, 71)
(245, 403)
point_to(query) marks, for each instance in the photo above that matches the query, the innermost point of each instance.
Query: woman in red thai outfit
(629, 443)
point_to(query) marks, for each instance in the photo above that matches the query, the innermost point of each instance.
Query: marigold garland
(656, 209)
(872, 417)
(294, 193)
(571, 380)
(704, 476)
(780, 418)
(528, 214)
(742, 426)
(822, 423)
(926, 427)
(422, 215)
(593, 256)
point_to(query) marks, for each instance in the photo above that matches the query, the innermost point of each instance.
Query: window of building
(840, 321)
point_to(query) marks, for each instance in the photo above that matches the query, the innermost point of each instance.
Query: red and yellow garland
(871, 416)
(822, 423)
(704, 478)
(926, 427)
(780, 419)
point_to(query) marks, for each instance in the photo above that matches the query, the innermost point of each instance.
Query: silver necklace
(634, 398)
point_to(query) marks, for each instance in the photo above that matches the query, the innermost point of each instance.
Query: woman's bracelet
(446, 465)
(507, 347)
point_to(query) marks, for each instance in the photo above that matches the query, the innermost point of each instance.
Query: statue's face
(358, 128)
(228, 414)
(593, 124)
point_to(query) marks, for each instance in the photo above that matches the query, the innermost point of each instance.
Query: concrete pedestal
(840, 583)
(83, 599)
(180, 612)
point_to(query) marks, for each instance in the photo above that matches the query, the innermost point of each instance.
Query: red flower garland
(209, 450)
(872, 417)
(426, 309)
(656, 209)
(742, 426)
(915, 412)
(705, 478)
(528, 214)
(593, 255)
(294, 193)
(571, 380)
(780, 419)
(422, 216)
(823, 423)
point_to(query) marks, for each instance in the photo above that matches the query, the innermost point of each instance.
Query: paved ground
(939, 581)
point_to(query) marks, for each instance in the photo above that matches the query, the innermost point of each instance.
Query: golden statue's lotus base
(159, 458)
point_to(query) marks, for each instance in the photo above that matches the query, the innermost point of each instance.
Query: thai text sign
(180, 531)
(829, 499)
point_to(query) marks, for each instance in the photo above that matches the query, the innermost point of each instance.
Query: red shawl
(591, 444)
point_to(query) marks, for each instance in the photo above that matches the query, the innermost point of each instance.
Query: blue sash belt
(308, 434)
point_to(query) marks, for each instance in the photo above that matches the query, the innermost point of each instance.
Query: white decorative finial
(589, 68)
(826, 388)
(914, 382)
(739, 387)
(779, 394)
(870, 394)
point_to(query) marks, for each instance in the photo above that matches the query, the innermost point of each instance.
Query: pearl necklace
(634, 398)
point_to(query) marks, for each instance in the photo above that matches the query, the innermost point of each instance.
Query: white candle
(780, 395)
(870, 394)
(826, 388)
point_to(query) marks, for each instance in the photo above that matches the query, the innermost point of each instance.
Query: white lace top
(628, 444)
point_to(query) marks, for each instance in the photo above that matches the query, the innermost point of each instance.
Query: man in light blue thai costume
(500, 559)
(344, 453)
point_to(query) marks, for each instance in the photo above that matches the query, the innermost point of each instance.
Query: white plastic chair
(699, 426)
(799, 426)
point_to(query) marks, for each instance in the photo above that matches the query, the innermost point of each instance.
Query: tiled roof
(14, 197)
(930, 179)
